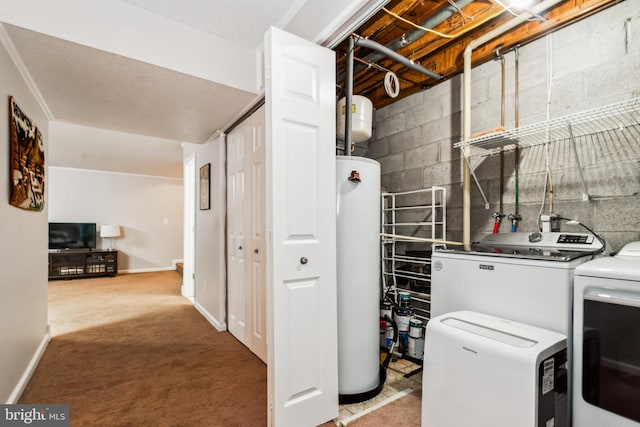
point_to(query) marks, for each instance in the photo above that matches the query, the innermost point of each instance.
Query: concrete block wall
(592, 63)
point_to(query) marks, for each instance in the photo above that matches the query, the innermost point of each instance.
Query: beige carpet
(130, 351)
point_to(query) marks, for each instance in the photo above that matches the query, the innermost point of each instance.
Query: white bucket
(385, 310)
(416, 348)
(403, 316)
(415, 328)
(404, 298)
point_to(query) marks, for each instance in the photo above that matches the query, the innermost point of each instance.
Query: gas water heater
(358, 252)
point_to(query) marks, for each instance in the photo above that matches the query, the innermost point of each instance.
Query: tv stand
(75, 264)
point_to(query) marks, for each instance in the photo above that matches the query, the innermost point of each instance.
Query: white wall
(23, 254)
(130, 31)
(327, 22)
(210, 265)
(148, 209)
(84, 147)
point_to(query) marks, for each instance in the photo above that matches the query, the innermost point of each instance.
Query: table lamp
(110, 231)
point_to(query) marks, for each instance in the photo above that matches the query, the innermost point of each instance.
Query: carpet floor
(131, 351)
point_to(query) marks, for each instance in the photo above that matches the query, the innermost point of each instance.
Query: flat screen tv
(72, 235)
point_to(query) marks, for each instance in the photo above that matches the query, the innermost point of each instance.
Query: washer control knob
(535, 237)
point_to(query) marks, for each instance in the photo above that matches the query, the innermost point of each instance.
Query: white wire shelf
(619, 117)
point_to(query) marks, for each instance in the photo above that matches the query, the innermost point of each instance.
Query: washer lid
(618, 267)
(630, 250)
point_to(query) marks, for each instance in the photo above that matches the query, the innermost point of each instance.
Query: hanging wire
(547, 177)
(391, 84)
(517, 124)
(502, 110)
(459, 9)
(438, 33)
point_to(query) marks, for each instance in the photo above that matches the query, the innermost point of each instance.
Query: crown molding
(24, 72)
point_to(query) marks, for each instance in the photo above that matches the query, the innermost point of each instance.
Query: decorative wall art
(27, 161)
(205, 187)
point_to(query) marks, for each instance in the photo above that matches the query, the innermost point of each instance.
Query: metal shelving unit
(619, 117)
(409, 217)
(614, 122)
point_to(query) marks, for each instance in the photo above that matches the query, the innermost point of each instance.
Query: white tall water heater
(358, 252)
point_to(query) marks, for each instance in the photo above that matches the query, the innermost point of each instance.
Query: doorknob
(255, 251)
(303, 260)
(239, 248)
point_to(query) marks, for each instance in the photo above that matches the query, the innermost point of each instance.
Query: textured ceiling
(241, 21)
(94, 88)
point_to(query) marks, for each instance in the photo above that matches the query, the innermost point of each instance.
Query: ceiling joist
(444, 55)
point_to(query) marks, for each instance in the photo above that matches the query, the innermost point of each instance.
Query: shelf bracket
(473, 174)
(585, 192)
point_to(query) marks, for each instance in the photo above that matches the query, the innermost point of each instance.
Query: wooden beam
(446, 58)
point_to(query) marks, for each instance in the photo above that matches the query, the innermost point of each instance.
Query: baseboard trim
(219, 326)
(147, 270)
(31, 368)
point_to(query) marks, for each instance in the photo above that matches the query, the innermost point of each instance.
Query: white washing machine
(484, 371)
(606, 341)
(523, 277)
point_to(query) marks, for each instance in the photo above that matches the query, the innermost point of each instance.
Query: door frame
(189, 237)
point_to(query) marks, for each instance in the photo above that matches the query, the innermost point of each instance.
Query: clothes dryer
(606, 369)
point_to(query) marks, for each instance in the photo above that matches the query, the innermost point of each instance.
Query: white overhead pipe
(466, 106)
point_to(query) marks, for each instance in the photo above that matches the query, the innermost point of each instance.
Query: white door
(236, 225)
(256, 300)
(301, 231)
(246, 234)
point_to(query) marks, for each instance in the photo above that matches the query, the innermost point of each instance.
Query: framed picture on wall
(205, 187)
(27, 161)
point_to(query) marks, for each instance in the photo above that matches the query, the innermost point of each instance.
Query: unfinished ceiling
(434, 34)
